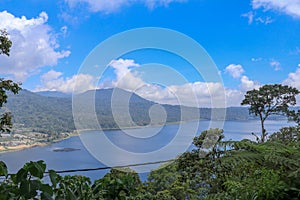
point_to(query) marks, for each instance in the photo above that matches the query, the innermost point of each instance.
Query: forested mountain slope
(51, 112)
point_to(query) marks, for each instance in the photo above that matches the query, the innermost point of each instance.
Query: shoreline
(38, 144)
(77, 133)
(20, 147)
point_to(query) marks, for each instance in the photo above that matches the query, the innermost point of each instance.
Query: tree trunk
(263, 130)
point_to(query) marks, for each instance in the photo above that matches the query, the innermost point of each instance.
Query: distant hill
(138, 109)
(40, 113)
(54, 94)
(51, 112)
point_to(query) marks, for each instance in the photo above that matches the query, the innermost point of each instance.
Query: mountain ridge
(53, 115)
(53, 94)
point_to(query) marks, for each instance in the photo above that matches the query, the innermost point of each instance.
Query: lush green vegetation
(214, 169)
(6, 85)
(230, 170)
(41, 114)
(270, 100)
(53, 115)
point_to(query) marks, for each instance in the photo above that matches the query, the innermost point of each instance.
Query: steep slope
(53, 115)
(42, 114)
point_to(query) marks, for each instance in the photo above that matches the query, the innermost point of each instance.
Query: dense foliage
(214, 169)
(229, 170)
(6, 85)
(270, 100)
(41, 114)
(5, 43)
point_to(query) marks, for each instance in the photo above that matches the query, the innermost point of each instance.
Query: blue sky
(252, 42)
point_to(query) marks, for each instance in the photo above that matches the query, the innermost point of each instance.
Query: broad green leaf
(37, 169)
(21, 175)
(3, 169)
(53, 177)
(47, 191)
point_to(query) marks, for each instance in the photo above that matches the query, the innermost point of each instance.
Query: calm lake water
(82, 158)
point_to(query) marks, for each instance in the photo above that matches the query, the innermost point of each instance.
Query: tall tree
(270, 100)
(6, 85)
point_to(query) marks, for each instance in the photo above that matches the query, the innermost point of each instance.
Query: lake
(134, 145)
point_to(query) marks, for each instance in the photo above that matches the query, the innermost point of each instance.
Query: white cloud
(275, 64)
(247, 84)
(110, 6)
(293, 79)
(122, 66)
(50, 75)
(34, 45)
(256, 59)
(53, 81)
(266, 20)
(106, 6)
(198, 94)
(126, 79)
(155, 3)
(234, 97)
(234, 70)
(250, 16)
(290, 7)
